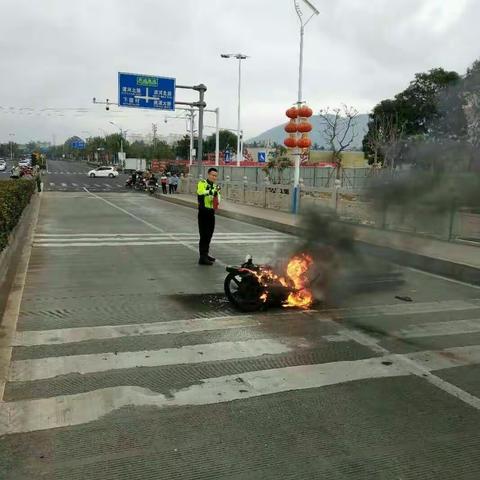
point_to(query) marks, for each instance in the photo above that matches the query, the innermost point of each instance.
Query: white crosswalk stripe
(111, 240)
(35, 414)
(84, 407)
(72, 335)
(28, 370)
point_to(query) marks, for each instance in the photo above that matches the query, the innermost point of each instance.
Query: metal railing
(353, 206)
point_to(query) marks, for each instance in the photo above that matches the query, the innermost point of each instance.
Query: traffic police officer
(208, 193)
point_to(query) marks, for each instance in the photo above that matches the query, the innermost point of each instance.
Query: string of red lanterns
(298, 124)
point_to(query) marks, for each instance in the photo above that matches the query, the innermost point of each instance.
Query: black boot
(212, 259)
(204, 261)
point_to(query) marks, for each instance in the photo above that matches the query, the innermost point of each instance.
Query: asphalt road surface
(129, 364)
(71, 176)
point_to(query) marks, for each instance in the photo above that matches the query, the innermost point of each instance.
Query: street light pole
(11, 146)
(192, 133)
(239, 141)
(296, 153)
(239, 57)
(217, 136)
(122, 132)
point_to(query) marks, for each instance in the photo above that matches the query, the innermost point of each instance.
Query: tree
(227, 139)
(275, 168)
(430, 108)
(162, 151)
(339, 128)
(182, 147)
(471, 104)
(6, 149)
(138, 149)
(277, 162)
(383, 139)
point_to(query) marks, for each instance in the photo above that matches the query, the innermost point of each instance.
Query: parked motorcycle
(129, 183)
(152, 188)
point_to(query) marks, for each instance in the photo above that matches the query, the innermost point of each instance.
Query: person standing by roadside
(174, 182)
(164, 182)
(208, 193)
(171, 188)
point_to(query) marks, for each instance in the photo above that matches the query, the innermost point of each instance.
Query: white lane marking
(97, 185)
(107, 185)
(412, 308)
(82, 334)
(151, 225)
(52, 184)
(43, 414)
(37, 369)
(458, 282)
(457, 327)
(227, 234)
(159, 236)
(415, 363)
(177, 241)
(74, 184)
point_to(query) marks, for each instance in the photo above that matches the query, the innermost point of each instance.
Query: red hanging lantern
(291, 127)
(292, 113)
(304, 142)
(304, 127)
(305, 111)
(290, 142)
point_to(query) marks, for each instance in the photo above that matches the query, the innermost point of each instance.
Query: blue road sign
(262, 157)
(78, 144)
(145, 91)
(227, 156)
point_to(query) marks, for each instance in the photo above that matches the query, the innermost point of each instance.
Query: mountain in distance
(277, 134)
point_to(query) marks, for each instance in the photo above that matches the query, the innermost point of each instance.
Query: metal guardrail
(352, 206)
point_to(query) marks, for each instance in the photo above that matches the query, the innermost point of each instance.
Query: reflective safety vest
(208, 195)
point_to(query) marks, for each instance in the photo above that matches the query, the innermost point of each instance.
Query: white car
(3, 165)
(103, 172)
(24, 162)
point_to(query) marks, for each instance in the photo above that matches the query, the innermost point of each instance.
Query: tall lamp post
(303, 23)
(11, 135)
(239, 57)
(122, 133)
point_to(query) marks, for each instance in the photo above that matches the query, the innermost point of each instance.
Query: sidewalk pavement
(456, 260)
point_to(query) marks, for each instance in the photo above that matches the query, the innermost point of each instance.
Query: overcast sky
(61, 53)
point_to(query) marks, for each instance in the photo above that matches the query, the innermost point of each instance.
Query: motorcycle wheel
(244, 292)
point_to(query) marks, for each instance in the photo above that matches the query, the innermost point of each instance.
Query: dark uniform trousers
(206, 226)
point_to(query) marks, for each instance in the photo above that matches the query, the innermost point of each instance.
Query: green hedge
(14, 197)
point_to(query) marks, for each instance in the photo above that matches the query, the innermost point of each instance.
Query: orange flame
(297, 270)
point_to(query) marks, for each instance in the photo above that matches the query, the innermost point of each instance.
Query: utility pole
(154, 130)
(201, 107)
(11, 146)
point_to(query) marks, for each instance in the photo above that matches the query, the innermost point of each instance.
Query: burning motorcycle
(253, 287)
